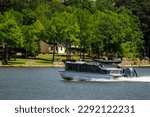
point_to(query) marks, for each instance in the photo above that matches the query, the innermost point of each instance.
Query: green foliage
(140, 8)
(113, 29)
(31, 33)
(103, 5)
(83, 4)
(56, 6)
(29, 17)
(1, 18)
(128, 50)
(85, 21)
(10, 31)
(98, 27)
(43, 12)
(70, 28)
(18, 17)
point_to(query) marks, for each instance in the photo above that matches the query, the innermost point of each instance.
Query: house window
(56, 48)
(61, 48)
(51, 47)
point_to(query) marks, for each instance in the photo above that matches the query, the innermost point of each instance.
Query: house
(59, 49)
(46, 48)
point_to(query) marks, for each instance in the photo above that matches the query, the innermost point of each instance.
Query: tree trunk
(148, 48)
(5, 54)
(15, 55)
(81, 50)
(26, 54)
(83, 57)
(54, 52)
(67, 52)
(98, 54)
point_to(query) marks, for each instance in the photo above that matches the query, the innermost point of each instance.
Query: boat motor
(130, 72)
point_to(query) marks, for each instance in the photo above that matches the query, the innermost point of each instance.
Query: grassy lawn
(41, 59)
(18, 61)
(58, 57)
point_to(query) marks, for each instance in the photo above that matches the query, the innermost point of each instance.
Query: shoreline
(135, 66)
(49, 65)
(31, 63)
(63, 65)
(31, 66)
(34, 66)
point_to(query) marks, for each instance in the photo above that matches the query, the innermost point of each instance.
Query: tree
(54, 31)
(24, 4)
(62, 28)
(103, 5)
(31, 29)
(43, 13)
(56, 6)
(31, 37)
(4, 5)
(29, 16)
(83, 4)
(140, 8)
(85, 21)
(70, 31)
(113, 29)
(10, 33)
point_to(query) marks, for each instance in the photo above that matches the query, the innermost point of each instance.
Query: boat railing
(94, 67)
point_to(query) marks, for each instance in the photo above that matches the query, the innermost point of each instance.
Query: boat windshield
(110, 65)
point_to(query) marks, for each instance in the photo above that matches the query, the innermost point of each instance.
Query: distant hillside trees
(140, 8)
(97, 28)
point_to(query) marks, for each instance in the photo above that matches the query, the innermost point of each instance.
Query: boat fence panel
(84, 67)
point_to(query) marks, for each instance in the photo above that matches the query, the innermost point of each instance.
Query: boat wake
(123, 79)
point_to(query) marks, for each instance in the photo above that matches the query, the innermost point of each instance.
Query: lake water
(46, 84)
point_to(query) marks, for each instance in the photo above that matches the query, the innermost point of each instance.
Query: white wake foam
(124, 79)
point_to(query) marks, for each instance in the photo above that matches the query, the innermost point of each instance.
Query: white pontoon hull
(70, 75)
